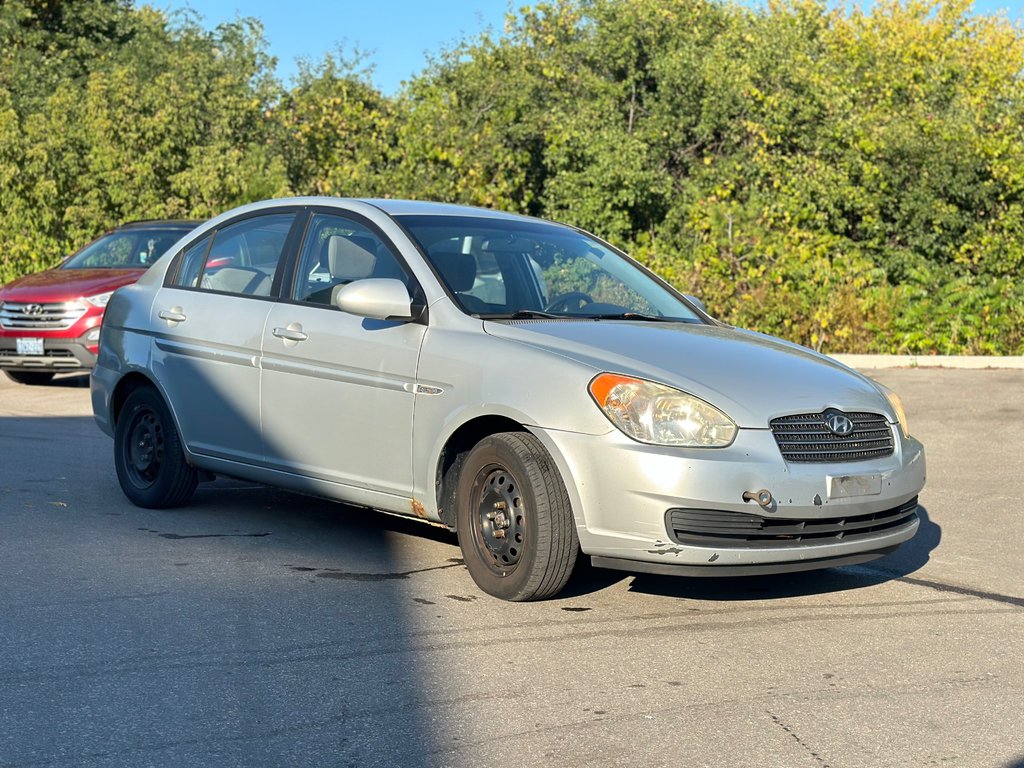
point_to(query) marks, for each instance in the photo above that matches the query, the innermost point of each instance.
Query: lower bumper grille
(714, 528)
(66, 357)
(46, 353)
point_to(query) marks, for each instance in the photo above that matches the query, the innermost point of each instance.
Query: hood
(55, 285)
(751, 377)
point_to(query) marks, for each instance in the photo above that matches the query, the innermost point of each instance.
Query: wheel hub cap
(501, 518)
(146, 446)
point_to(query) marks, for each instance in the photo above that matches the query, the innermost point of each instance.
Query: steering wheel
(573, 301)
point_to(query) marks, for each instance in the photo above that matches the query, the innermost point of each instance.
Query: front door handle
(290, 334)
(173, 315)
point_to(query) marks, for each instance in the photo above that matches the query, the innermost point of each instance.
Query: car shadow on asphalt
(345, 521)
(906, 560)
(70, 380)
(279, 506)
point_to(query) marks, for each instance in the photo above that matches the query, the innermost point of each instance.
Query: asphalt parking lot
(259, 628)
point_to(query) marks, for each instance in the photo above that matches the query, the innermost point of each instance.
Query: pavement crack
(331, 573)
(179, 536)
(940, 586)
(981, 593)
(789, 729)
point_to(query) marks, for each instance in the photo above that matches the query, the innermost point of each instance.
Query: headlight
(897, 407)
(659, 415)
(100, 300)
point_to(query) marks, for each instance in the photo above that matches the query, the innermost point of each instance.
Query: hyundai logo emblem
(838, 423)
(33, 309)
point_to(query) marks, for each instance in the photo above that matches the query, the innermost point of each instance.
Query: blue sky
(398, 35)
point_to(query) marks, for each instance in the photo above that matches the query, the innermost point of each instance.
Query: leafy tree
(169, 121)
(335, 131)
(851, 180)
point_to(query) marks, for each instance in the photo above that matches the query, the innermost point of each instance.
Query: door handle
(290, 334)
(173, 315)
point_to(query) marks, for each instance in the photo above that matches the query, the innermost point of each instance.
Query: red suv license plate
(30, 346)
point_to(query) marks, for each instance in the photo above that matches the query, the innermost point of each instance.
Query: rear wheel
(148, 454)
(515, 523)
(34, 378)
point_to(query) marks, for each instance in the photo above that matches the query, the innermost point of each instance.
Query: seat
(346, 259)
(458, 270)
(350, 258)
(246, 280)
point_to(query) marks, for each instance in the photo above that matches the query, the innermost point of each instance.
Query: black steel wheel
(148, 456)
(515, 523)
(33, 378)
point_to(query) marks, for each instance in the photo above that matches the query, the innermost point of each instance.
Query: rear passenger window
(191, 263)
(242, 258)
(338, 251)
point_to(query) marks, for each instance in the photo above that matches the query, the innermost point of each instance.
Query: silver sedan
(518, 381)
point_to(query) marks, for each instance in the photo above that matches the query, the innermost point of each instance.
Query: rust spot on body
(418, 509)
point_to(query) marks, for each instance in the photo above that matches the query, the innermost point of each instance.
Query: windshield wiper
(633, 316)
(522, 314)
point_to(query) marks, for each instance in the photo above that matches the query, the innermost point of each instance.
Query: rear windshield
(126, 249)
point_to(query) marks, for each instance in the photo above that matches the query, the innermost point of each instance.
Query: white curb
(930, 361)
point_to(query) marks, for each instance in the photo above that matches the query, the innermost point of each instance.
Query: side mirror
(696, 302)
(376, 298)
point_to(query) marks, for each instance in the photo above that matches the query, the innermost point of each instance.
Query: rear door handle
(173, 315)
(290, 334)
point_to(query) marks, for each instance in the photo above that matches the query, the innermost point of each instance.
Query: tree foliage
(851, 180)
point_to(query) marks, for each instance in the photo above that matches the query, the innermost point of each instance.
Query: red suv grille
(42, 317)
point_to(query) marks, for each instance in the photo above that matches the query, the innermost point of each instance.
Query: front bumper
(58, 355)
(622, 492)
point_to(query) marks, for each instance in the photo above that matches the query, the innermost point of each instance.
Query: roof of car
(173, 223)
(388, 207)
(423, 207)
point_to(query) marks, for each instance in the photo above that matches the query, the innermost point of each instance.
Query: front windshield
(503, 269)
(126, 249)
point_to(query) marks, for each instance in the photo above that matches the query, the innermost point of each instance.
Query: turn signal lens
(898, 409)
(660, 415)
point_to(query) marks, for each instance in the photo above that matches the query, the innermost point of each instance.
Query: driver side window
(337, 251)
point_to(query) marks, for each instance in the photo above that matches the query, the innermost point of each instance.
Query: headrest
(349, 260)
(457, 269)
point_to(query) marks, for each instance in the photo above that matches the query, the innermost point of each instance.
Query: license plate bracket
(846, 486)
(29, 346)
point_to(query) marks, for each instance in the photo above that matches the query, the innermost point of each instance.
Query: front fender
(543, 391)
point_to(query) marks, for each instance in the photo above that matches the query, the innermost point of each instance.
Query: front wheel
(148, 454)
(515, 523)
(32, 378)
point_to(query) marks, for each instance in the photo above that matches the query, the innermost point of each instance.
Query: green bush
(850, 180)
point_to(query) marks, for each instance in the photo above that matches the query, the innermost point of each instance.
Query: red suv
(50, 321)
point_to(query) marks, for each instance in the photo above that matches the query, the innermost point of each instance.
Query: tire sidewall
(488, 454)
(166, 490)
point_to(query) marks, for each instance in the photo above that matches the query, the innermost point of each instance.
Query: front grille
(42, 317)
(805, 438)
(714, 528)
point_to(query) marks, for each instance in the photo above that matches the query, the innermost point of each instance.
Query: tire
(32, 378)
(515, 523)
(148, 455)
